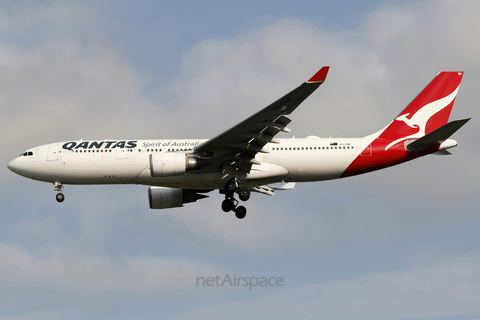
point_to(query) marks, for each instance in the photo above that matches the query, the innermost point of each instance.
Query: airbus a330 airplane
(248, 157)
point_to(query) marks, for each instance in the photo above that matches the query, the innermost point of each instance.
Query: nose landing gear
(230, 203)
(58, 187)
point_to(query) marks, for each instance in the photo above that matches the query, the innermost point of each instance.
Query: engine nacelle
(165, 198)
(171, 164)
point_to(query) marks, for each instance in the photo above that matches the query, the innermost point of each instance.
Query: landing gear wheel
(227, 205)
(230, 186)
(60, 197)
(58, 186)
(230, 203)
(240, 212)
(244, 194)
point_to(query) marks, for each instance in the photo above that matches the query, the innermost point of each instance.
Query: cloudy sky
(400, 243)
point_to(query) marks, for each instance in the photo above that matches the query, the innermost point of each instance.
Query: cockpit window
(29, 153)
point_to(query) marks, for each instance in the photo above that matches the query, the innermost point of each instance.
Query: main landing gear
(230, 203)
(58, 187)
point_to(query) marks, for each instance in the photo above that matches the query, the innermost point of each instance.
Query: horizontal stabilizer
(437, 136)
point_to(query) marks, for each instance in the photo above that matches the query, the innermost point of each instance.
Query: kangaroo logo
(420, 118)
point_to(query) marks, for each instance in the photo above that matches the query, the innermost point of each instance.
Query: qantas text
(73, 145)
(99, 144)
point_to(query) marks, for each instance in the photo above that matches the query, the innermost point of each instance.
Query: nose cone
(14, 166)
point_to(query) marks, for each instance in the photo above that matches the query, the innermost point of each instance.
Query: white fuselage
(127, 162)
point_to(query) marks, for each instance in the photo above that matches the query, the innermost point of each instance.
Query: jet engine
(171, 164)
(165, 198)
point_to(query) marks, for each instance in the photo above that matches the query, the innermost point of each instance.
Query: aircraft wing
(234, 150)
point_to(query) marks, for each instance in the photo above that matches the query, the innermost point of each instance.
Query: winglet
(320, 76)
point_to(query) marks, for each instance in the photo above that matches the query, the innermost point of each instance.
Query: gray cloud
(55, 269)
(446, 288)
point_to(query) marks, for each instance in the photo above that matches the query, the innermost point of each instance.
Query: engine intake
(165, 198)
(171, 164)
